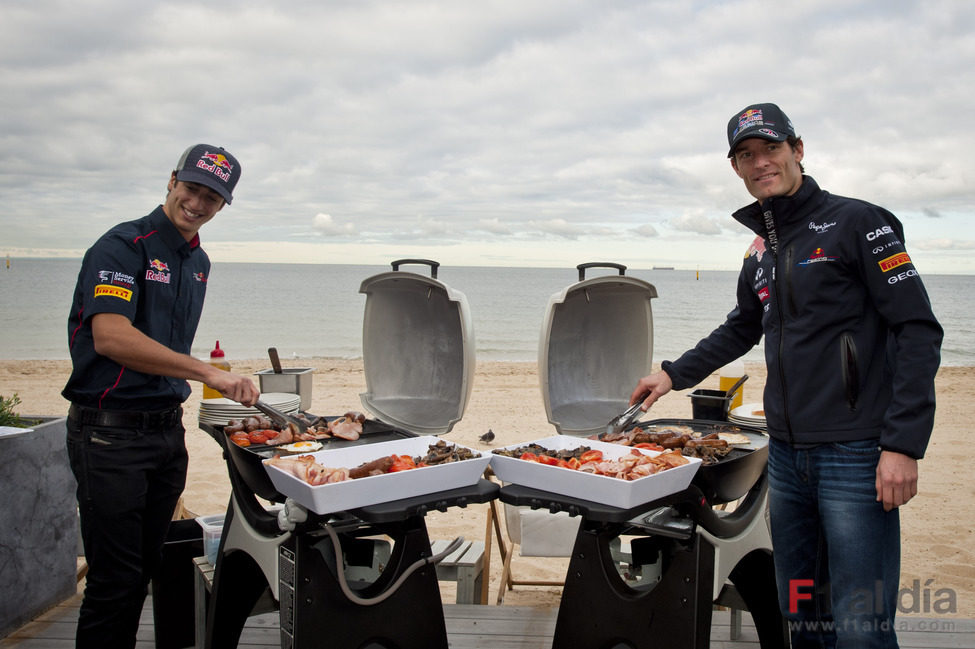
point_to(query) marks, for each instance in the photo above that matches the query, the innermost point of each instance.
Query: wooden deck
(473, 626)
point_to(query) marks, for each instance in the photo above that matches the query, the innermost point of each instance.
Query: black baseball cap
(766, 121)
(212, 166)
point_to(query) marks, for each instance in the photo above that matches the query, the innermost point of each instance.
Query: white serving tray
(350, 494)
(589, 486)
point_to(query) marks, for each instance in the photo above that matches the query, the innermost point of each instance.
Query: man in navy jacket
(136, 307)
(852, 348)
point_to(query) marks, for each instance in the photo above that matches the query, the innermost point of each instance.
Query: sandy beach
(938, 557)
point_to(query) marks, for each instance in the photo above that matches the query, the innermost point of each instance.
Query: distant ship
(663, 268)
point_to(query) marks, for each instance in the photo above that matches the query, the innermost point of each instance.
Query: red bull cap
(766, 121)
(212, 166)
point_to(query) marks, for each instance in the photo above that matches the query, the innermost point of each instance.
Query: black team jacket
(851, 344)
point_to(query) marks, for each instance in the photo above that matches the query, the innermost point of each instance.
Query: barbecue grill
(418, 358)
(596, 331)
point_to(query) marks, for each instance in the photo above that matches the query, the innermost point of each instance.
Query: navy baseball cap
(212, 166)
(766, 121)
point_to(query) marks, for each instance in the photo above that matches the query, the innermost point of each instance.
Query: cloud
(481, 124)
(326, 225)
(559, 227)
(697, 223)
(646, 230)
(494, 226)
(945, 244)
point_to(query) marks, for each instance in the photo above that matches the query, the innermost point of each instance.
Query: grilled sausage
(715, 443)
(676, 441)
(375, 467)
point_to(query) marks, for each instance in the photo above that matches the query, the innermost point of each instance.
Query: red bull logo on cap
(751, 117)
(217, 164)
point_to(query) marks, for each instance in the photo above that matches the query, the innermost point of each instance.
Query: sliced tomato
(649, 446)
(591, 455)
(531, 457)
(547, 459)
(402, 463)
(573, 463)
(257, 437)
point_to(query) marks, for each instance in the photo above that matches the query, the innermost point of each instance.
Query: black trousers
(129, 482)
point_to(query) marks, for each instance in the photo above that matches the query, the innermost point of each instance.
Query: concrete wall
(39, 524)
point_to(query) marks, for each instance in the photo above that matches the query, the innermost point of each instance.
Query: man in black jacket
(852, 348)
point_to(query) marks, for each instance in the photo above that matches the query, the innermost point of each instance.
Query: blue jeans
(836, 551)
(129, 482)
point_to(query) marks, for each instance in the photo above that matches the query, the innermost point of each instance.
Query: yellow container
(727, 377)
(217, 359)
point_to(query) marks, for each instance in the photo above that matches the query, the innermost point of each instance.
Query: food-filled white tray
(372, 490)
(589, 486)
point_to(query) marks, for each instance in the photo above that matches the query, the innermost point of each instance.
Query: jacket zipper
(793, 311)
(851, 375)
(781, 317)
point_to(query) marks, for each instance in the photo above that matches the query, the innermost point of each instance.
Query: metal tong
(619, 423)
(280, 418)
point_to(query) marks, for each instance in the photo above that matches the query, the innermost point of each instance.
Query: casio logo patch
(879, 232)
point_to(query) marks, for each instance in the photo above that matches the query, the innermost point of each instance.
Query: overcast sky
(518, 133)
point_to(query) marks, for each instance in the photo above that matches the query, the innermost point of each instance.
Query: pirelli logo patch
(892, 262)
(105, 290)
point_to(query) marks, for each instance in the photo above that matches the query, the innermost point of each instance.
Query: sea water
(315, 310)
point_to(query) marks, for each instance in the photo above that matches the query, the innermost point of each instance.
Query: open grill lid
(417, 350)
(596, 343)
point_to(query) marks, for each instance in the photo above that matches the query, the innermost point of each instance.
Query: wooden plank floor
(473, 627)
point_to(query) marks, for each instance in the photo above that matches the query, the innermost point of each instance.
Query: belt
(125, 418)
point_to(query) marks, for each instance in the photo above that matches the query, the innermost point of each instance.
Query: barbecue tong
(280, 418)
(619, 423)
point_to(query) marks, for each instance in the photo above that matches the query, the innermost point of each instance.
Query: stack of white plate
(218, 412)
(748, 414)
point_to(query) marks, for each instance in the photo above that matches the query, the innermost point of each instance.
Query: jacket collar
(785, 209)
(170, 235)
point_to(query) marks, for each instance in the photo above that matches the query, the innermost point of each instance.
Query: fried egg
(303, 447)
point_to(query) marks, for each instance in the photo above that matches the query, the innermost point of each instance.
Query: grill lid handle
(599, 264)
(434, 265)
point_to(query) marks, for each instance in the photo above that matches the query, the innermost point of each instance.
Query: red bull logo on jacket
(158, 271)
(217, 164)
(816, 257)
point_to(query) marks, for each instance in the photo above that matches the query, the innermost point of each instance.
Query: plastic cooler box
(212, 530)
